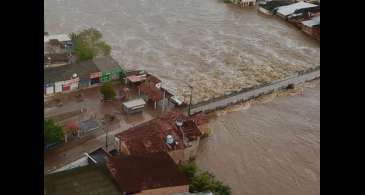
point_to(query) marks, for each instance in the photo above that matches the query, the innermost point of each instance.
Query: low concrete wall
(192, 150)
(83, 161)
(249, 93)
(166, 190)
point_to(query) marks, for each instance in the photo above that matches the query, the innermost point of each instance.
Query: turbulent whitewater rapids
(216, 47)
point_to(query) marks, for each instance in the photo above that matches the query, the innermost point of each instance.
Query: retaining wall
(249, 93)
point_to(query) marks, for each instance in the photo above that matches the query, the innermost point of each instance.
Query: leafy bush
(189, 169)
(52, 132)
(203, 181)
(88, 44)
(107, 91)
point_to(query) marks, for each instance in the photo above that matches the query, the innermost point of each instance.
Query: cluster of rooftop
(62, 72)
(103, 173)
(172, 132)
(304, 15)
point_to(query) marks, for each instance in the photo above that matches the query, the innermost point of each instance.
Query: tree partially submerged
(53, 133)
(107, 91)
(88, 44)
(203, 181)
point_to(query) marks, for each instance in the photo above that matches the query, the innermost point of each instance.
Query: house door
(95, 80)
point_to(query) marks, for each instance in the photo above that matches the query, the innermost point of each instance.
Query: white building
(244, 3)
(60, 37)
(284, 11)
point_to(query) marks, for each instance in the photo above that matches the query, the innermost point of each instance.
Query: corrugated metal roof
(89, 125)
(59, 37)
(106, 63)
(136, 78)
(290, 9)
(133, 103)
(312, 22)
(63, 73)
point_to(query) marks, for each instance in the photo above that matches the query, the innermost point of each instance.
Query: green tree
(52, 131)
(88, 44)
(203, 181)
(107, 91)
(189, 169)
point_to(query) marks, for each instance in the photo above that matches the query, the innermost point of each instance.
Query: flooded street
(69, 110)
(267, 148)
(214, 46)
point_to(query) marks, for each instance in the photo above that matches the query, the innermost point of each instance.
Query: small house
(147, 174)
(149, 92)
(309, 25)
(56, 59)
(62, 38)
(60, 79)
(172, 132)
(287, 10)
(136, 79)
(70, 77)
(244, 3)
(88, 126)
(134, 106)
(153, 79)
(109, 68)
(89, 73)
(99, 172)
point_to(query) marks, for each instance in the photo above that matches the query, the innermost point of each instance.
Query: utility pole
(191, 97)
(106, 140)
(105, 123)
(163, 100)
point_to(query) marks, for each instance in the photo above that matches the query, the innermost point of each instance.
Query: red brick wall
(166, 191)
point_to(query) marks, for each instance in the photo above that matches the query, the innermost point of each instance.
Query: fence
(252, 92)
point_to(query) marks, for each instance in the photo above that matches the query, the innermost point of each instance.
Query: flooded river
(267, 148)
(214, 46)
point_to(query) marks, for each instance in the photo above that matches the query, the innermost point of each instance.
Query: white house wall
(49, 90)
(58, 86)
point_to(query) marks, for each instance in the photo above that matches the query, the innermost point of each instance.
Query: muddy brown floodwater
(214, 46)
(267, 148)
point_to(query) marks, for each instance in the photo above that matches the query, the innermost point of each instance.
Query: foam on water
(214, 46)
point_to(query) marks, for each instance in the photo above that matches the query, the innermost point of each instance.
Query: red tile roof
(135, 173)
(70, 126)
(153, 79)
(200, 118)
(152, 92)
(151, 136)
